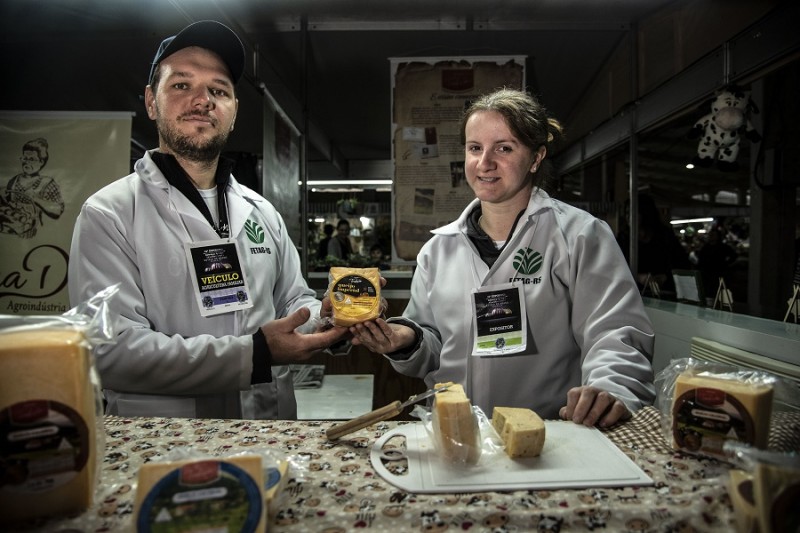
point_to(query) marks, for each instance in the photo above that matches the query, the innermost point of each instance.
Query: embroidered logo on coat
(527, 261)
(254, 232)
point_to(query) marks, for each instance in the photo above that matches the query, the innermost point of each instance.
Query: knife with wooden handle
(384, 413)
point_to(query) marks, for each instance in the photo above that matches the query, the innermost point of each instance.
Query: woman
(549, 277)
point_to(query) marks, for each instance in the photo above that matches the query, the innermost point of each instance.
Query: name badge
(219, 279)
(499, 320)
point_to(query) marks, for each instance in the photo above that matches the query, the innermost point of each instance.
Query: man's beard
(186, 147)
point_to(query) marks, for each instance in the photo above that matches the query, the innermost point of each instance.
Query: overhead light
(690, 220)
(690, 166)
(348, 182)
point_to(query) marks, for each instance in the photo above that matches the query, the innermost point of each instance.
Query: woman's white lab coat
(168, 359)
(586, 320)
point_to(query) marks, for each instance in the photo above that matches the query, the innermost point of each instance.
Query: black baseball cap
(208, 34)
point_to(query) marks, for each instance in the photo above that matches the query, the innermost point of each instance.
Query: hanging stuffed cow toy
(720, 131)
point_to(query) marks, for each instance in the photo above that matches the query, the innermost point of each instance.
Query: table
(337, 489)
(341, 396)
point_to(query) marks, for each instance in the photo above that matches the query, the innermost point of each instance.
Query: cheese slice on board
(522, 430)
(708, 410)
(202, 494)
(455, 426)
(355, 294)
(48, 424)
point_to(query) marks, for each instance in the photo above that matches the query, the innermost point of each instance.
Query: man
(210, 287)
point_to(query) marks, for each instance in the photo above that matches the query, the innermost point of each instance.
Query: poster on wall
(50, 162)
(281, 166)
(429, 97)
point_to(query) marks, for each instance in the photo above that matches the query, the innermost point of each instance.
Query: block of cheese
(355, 294)
(740, 491)
(777, 493)
(48, 424)
(275, 479)
(219, 494)
(522, 430)
(709, 409)
(455, 426)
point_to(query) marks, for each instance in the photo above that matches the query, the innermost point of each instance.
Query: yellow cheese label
(355, 294)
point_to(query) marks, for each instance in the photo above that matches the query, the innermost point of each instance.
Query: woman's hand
(591, 406)
(380, 336)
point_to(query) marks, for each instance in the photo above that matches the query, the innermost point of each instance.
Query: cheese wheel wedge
(777, 492)
(208, 494)
(708, 410)
(455, 426)
(274, 482)
(355, 294)
(48, 424)
(741, 493)
(522, 431)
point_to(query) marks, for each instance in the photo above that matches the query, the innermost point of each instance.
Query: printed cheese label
(704, 418)
(202, 496)
(43, 445)
(355, 294)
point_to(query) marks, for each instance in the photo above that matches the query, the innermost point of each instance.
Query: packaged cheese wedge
(48, 424)
(51, 432)
(202, 494)
(456, 432)
(704, 405)
(355, 294)
(764, 488)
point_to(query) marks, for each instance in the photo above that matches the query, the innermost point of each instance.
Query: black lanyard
(178, 178)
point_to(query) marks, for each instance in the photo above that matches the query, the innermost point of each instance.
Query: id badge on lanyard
(219, 280)
(499, 322)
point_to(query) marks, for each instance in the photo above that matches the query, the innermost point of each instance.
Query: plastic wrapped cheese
(355, 294)
(202, 493)
(708, 410)
(50, 438)
(522, 431)
(740, 491)
(455, 426)
(706, 404)
(764, 488)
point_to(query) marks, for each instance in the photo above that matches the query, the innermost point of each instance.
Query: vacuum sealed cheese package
(190, 490)
(764, 489)
(51, 426)
(198, 492)
(706, 404)
(355, 294)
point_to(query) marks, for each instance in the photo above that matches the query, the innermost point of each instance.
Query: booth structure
(684, 330)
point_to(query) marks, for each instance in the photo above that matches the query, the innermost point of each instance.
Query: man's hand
(591, 406)
(289, 346)
(380, 336)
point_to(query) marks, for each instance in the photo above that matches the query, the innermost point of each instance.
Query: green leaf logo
(254, 231)
(528, 262)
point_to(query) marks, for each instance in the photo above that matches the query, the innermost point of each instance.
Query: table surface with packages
(382, 478)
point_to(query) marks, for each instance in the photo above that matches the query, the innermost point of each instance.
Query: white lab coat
(586, 320)
(168, 360)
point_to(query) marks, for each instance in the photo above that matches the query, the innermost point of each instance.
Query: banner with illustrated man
(429, 98)
(50, 162)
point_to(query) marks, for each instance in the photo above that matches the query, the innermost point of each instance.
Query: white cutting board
(574, 456)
